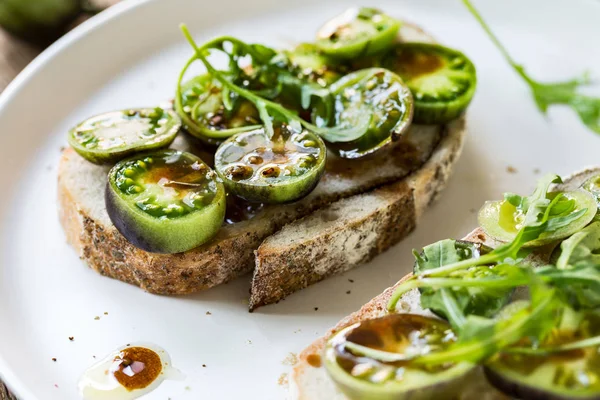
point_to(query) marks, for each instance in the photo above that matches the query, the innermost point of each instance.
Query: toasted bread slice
(230, 253)
(309, 379)
(351, 231)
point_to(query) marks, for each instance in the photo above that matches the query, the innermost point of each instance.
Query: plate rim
(7, 374)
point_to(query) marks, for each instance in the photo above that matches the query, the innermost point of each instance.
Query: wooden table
(15, 54)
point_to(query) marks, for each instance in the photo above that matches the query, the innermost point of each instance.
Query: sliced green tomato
(110, 137)
(307, 62)
(165, 202)
(278, 170)
(303, 96)
(366, 378)
(466, 250)
(501, 220)
(592, 185)
(376, 95)
(199, 103)
(358, 32)
(305, 77)
(442, 80)
(572, 374)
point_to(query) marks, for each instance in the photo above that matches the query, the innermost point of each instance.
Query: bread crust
(280, 272)
(106, 251)
(283, 270)
(230, 253)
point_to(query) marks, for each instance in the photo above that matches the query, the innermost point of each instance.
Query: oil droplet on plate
(127, 373)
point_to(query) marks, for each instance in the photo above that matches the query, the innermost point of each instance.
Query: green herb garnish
(550, 93)
(268, 110)
(484, 299)
(471, 288)
(577, 270)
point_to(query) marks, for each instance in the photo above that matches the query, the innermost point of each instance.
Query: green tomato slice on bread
(371, 360)
(556, 375)
(307, 62)
(280, 169)
(358, 32)
(442, 80)
(165, 202)
(374, 92)
(110, 137)
(305, 76)
(502, 220)
(205, 115)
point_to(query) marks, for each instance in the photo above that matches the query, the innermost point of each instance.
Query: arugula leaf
(556, 223)
(480, 338)
(582, 249)
(546, 351)
(543, 212)
(268, 109)
(576, 330)
(475, 281)
(309, 91)
(484, 277)
(579, 286)
(541, 215)
(535, 224)
(468, 299)
(539, 220)
(535, 205)
(571, 248)
(469, 288)
(439, 254)
(261, 53)
(452, 309)
(564, 207)
(546, 94)
(488, 292)
(539, 194)
(577, 270)
(588, 109)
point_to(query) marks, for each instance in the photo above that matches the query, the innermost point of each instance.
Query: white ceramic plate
(130, 56)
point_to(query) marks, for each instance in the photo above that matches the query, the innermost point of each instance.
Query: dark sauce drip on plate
(137, 367)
